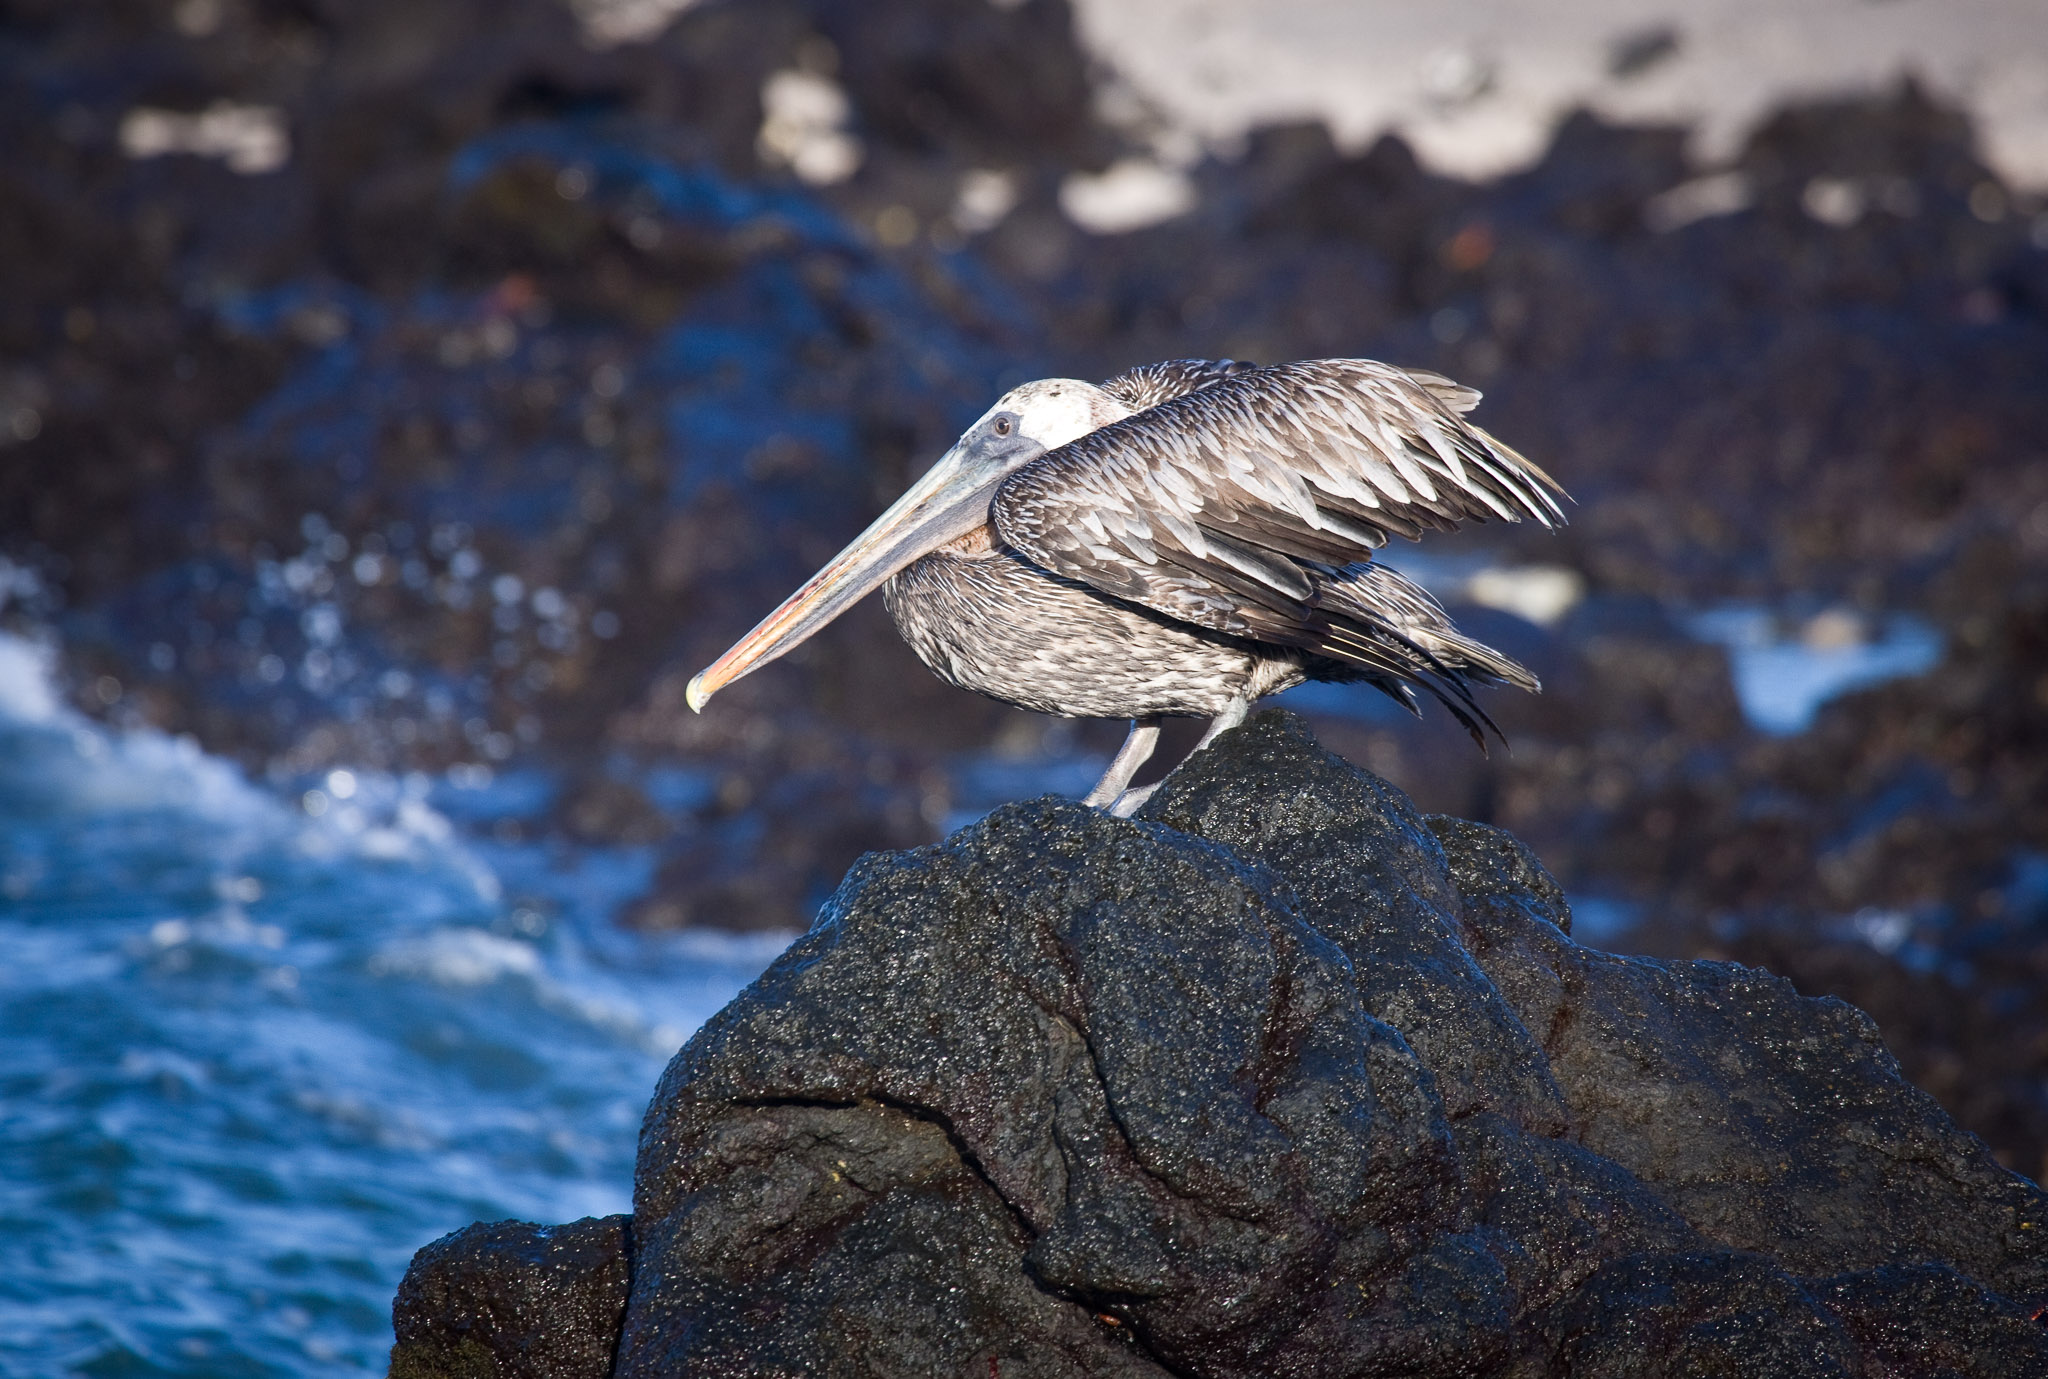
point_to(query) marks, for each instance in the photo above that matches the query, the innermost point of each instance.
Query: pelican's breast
(985, 619)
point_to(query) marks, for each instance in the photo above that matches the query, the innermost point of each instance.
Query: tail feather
(1383, 622)
(1387, 597)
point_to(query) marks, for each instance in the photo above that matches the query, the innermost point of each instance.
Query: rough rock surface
(1286, 1078)
(513, 1298)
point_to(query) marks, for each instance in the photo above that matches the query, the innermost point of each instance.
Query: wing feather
(1248, 500)
(1320, 461)
(1151, 384)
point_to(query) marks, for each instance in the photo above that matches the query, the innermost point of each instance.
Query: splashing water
(251, 1060)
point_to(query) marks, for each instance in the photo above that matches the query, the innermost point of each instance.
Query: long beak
(947, 503)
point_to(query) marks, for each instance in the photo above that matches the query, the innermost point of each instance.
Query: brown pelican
(1182, 540)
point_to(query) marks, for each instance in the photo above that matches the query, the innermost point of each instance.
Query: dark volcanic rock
(1286, 1077)
(514, 1299)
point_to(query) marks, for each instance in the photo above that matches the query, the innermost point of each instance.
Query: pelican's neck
(979, 542)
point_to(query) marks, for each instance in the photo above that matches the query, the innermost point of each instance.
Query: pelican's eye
(1004, 426)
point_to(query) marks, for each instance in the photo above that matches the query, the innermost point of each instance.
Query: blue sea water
(251, 1059)
(1782, 682)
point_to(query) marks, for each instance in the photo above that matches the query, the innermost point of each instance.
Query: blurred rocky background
(432, 387)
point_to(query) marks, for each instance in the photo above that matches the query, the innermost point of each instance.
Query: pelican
(1181, 541)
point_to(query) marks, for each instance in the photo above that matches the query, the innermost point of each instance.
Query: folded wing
(1237, 506)
(1148, 385)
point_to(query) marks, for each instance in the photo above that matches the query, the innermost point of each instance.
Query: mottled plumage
(1148, 385)
(1183, 540)
(990, 621)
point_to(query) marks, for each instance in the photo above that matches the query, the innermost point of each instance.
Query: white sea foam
(27, 692)
(458, 957)
(284, 1050)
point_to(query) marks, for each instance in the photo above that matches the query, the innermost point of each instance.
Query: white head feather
(1054, 411)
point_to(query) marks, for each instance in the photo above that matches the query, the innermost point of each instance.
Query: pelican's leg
(1135, 752)
(1233, 714)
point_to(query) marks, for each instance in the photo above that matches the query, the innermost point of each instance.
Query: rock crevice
(1285, 1077)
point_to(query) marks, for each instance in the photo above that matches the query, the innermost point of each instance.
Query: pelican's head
(950, 501)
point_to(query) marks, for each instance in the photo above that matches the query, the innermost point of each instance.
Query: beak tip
(696, 694)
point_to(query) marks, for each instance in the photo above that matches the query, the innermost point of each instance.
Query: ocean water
(252, 1058)
(1784, 673)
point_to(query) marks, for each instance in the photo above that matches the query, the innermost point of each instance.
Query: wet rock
(1287, 1077)
(1732, 1057)
(975, 86)
(514, 1299)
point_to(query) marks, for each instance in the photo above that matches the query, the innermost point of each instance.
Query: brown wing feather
(1237, 505)
(1318, 461)
(1148, 385)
